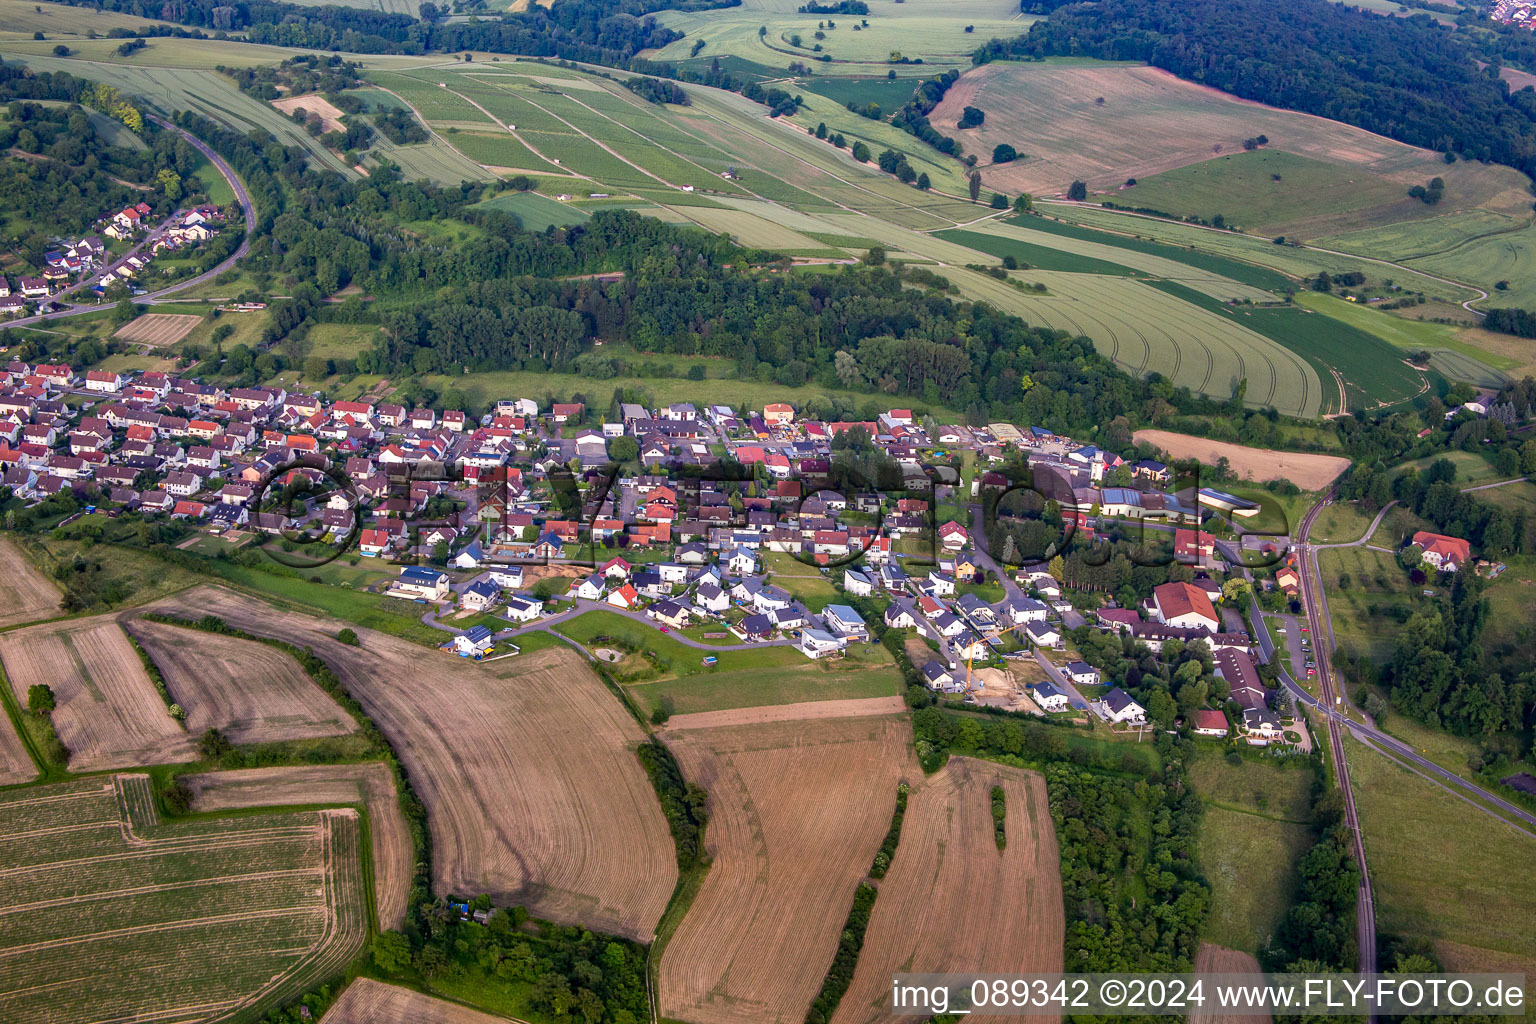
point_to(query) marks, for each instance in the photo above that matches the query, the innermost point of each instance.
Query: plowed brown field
(952, 901)
(797, 812)
(1221, 960)
(526, 765)
(26, 595)
(254, 693)
(368, 784)
(372, 1002)
(109, 714)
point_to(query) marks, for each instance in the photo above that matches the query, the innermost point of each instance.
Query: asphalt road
(161, 295)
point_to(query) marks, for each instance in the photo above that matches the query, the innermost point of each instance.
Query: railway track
(1332, 705)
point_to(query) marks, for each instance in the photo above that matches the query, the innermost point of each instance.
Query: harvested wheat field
(797, 812)
(370, 785)
(373, 1002)
(1149, 122)
(526, 765)
(330, 114)
(952, 901)
(158, 330)
(109, 714)
(1307, 471)
(26, 595)
(108, 914)
(254, 693)
(1211, 959)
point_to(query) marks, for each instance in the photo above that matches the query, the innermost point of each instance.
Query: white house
(845, 622)
(523, 609)
(1043, 634)
(421, 581)
(590, 589)
(857, 583)
(769, 598)
(818, 643)
(477, 597)
(1049, 698)
(711, 598)
(1026, 609)
(475, 640)
(742, 562)
(1082, 673)
(1184, 605)
(943, 583)
(1118, 707)
(1261, 726)
(509, 577)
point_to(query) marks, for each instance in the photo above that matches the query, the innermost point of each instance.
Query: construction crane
(970, 660)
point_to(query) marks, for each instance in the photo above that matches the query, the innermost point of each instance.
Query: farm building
(1447, 554)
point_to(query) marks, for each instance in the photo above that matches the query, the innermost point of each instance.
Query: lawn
(806, 585)
(1471, 467)
(1340, 523)
(1034, 256)
(887, 93)
(1254, 830)
(1362, 623)
(1442, 870)
(761, 675)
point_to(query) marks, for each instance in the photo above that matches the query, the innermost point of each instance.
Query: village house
(1118, 708)
(1184, 605)
(1447, 554)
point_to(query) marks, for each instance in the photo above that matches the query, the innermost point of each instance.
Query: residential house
(937, 676)
(1208, 722)
(1448, 554)
(1261, 726)
(1081, 673)
(818, 643)
(1184, 605)
(857, 583)
(418, 581)
(589, 589)
(670, 613)
(474, 642)
(479, 596)
(1051, 698)
(1043, 634)
(1117, 707)
(625, 596)
(523, 609)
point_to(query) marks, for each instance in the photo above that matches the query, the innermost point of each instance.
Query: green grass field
(1035, 256)
(887, 93)
(1263, 190)
(762, 675)
(1291, 260)
(1362, 619)
(1487, 260)
(1242, 271)
(1441, 339)
(1374, 372)
(198, 915)
(1443, 871)
(536, 212)
(1254, 830)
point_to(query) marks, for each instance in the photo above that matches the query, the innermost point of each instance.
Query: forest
(1411, 79)
(66, 181)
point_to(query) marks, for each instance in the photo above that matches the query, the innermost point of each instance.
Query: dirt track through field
(372, 1002)
(254, 693)
(26, 595)
(1307, 471)
(1221, 960)
(527, 768)
(952, 901)
(368, 784)
(109, 714)
(797, 812)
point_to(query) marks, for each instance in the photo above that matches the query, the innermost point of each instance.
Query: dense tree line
(1411, 79)
(682, 802)
(1441, 674)
(1519, 322)
(912, 117)
(1318, 931)
(657, 90)
(400, 126)
(596, 31)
